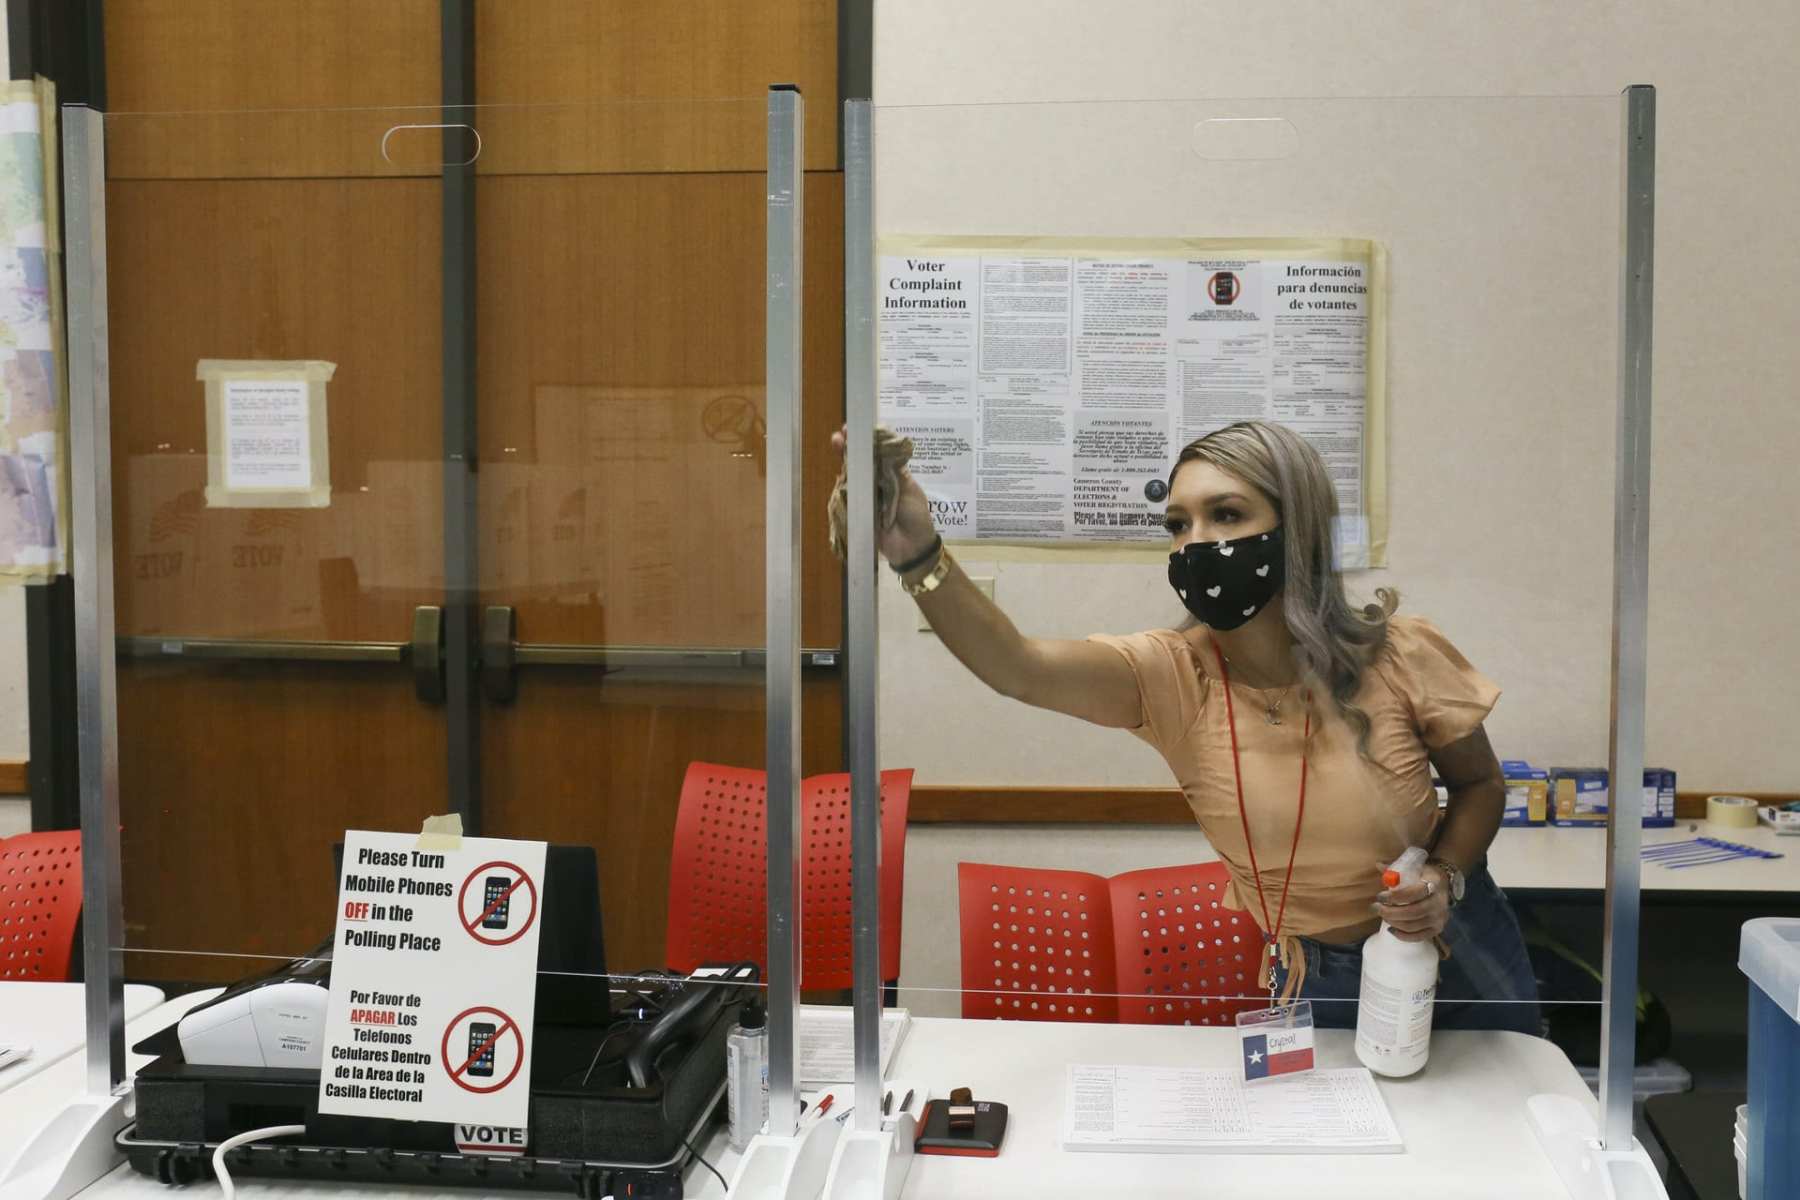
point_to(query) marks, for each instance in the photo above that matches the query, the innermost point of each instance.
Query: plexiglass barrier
(442, 459)
(315, 468)
(322, 474)
(1426, 290)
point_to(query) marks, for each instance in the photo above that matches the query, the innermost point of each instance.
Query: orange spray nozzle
(1405, 869)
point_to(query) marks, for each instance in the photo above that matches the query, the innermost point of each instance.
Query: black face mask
(1224, 584)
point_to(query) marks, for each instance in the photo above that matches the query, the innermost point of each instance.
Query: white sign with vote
(433, 980)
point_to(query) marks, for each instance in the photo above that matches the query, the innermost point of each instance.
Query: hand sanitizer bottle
(747, 1076)
(1399, 985)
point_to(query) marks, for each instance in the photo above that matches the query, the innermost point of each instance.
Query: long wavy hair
(1334, 641)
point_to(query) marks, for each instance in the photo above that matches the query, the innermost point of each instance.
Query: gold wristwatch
(936, 576)
(1453, 875)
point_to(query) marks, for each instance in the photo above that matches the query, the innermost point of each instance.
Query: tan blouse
(1420, 695)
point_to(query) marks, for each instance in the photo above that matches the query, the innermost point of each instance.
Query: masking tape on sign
(443, 832)
(1735, 812)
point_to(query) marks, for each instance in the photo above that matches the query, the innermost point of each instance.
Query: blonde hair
(1334, 642)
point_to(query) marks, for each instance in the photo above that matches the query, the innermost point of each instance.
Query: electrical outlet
(985, 583)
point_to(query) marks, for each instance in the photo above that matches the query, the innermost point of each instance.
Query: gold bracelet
(931, 581)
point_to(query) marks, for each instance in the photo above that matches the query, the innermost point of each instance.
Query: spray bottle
(1399, 984)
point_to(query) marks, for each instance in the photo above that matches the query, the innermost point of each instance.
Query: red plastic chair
(1036, 944)
(40, 902)
(1182, 957)
(718, 872)
(827, 920)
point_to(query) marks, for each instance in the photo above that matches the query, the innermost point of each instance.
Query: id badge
(1276, 1041)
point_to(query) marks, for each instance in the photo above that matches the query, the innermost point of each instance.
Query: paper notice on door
(267, 434)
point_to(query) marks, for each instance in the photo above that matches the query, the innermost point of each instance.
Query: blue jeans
(1487, 963)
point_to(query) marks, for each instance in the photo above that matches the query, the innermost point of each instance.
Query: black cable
(704, 1163)
(646, 999)
(601, 1049)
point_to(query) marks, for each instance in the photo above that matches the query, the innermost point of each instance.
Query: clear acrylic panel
(315, 466)
(1468, 429)
(277, 683)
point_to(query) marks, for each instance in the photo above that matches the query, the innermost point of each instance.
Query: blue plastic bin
(1769, 953)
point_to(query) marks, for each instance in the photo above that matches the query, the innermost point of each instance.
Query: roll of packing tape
(1736, 812)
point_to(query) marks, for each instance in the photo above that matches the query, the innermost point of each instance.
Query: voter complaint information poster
(433, 980)
(1047, 386)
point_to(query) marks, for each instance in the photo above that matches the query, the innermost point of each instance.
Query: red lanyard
(1272, 933)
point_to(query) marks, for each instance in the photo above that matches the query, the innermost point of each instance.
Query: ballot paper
(1211, 1110)
(826, 1055)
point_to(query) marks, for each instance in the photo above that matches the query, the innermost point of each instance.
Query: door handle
(426, 651)
(260, 650)
(502, 654)
(499, 653)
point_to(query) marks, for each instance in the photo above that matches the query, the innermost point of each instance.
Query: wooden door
(247, 224)
(257, 210)
(621, 391)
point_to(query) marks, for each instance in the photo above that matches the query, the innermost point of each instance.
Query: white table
(27, 1106)
(1463, 1121)
(51, 1018)
(1560, 858)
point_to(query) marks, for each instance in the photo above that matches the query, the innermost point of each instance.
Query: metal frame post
(860, 384)
(1631, 600)
(462, 580)
(96, 683)
(781, 369)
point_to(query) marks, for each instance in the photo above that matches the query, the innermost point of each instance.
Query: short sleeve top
(1420, 695)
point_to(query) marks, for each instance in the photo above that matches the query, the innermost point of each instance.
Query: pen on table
(845, 1115)
(824, 1105)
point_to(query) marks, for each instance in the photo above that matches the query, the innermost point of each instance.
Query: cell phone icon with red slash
(481, 1048)
(495, 887)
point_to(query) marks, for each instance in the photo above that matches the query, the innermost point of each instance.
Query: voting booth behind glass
(427, 458)
(415, 503)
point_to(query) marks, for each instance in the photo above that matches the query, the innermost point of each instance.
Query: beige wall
(1501, 487)
(1501, 430)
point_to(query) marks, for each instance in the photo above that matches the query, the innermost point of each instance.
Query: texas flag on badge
(1278, 1052)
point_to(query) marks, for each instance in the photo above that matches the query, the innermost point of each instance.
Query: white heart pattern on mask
(1250, 612)
(1183, 592)
(1213, 592)
(1226, 551)
(1263, 570)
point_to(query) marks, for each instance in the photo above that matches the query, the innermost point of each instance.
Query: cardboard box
(1581, 797)
(1527, 793)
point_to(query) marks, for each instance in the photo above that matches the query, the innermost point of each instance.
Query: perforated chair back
(1183, 958)
(1036, 944)
(826, 916)
(717, 868)
(718, 872)
(40, 902)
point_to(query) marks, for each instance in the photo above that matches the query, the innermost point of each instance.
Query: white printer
(275, 1021)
